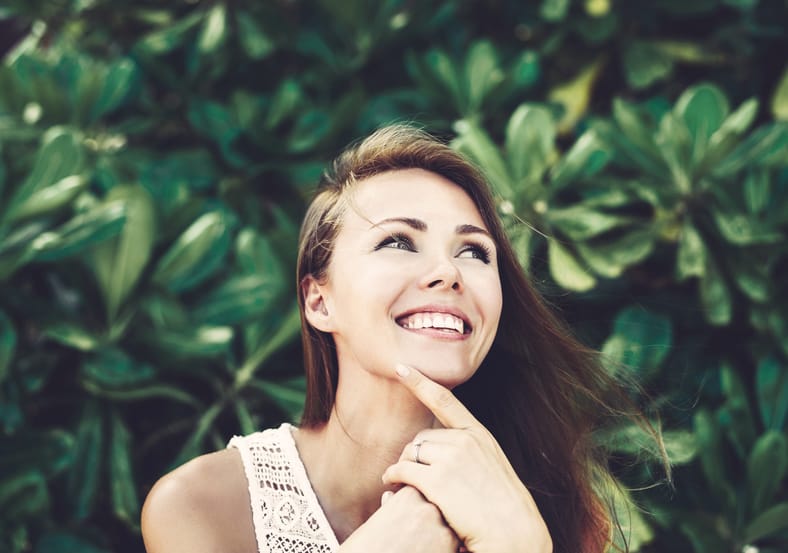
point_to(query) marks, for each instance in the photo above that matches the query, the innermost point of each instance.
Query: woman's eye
(476, 251)
(398, 242)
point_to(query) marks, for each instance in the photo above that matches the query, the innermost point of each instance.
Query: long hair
(538, 391)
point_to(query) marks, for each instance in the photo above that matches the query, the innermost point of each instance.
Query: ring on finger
(417, 448)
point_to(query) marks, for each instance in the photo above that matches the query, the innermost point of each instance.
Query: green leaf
(766, 468)
(770, 522)
(554, 10)
(703, 108)
(50, 198)
(751, 273)
(476, 144)
(574, 95)
(587, 156)
(246, 422)
(23, 495)
(169, 38)
(15, 250)
(253, 39)
(289, 395)
(680, 445)
(60, 156)
(691, 256)
(169, 393)
(445, 72)
(311, 127)
(780, 98)
(119, 262)
(482, 74)
(125, 502)
(771, 383)
(675, 145)
(196, 254)
(715, 296)
(727, 136)
(214, 29)
(639, 132)
(256, 255)
(743, 230)
(712, 457)
(194, 444)
(645, 64)
(609, 257)
(703, 532)
(580, 223)
(83, 481)
(72, 335)
(640, 339)
(285, 332)
(241, 298)
(566, 270)
(7, 344)
(202, 341)
(736, 421)
(633, 526)
(526, 69)
(113, 369)
(63, 542)
(116, 87)
(214, 120)
(81, 232)
(47, 452)
(767, 146)
(757, 190)
(286, 100)
(530, 138)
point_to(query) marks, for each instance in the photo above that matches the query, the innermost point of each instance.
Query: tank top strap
(285, 510)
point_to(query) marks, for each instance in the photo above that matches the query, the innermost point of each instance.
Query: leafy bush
(155, 162)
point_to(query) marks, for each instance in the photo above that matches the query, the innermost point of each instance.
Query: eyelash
(481, 251)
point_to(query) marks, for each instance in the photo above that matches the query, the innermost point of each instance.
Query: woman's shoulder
(202, 505)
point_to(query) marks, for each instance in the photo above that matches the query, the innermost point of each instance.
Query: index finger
(444, 405)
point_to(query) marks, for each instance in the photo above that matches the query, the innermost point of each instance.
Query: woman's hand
(463, 471)
(405, 523)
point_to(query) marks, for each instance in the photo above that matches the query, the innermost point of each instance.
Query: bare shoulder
(200, 507)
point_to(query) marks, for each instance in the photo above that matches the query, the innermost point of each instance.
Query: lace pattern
(286, 513)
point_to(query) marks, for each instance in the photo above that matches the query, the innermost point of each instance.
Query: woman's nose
(444, 275)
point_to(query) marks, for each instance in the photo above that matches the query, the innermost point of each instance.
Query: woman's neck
(366, 432)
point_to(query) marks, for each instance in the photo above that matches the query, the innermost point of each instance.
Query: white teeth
(434, 320)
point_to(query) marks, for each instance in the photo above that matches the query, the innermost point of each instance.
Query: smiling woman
(447, 409)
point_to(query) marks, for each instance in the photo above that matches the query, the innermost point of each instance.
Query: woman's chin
(447, 376)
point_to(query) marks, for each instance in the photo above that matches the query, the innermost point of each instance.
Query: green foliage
(155, 161)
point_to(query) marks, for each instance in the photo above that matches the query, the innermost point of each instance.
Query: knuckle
(444, 398)
(411, 494)
(467, 438)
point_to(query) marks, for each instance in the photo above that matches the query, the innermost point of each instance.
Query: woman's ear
(315, 308)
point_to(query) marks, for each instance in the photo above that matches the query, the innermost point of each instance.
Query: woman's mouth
(437, 321)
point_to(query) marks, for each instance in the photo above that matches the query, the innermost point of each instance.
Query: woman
(408, 289)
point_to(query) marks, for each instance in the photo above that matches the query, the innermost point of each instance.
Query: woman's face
(413, 279)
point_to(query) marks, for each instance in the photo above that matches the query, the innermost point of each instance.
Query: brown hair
(539, 391)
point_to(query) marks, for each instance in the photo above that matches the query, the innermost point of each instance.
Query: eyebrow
(418, 224)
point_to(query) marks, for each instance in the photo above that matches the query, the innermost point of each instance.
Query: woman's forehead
(413, 193)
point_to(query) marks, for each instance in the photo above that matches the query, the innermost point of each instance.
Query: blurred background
(156, 159)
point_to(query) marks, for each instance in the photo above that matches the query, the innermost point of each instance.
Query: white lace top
(287, 515)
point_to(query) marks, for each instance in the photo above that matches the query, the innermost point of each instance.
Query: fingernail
(403, 370)
(385, 497)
